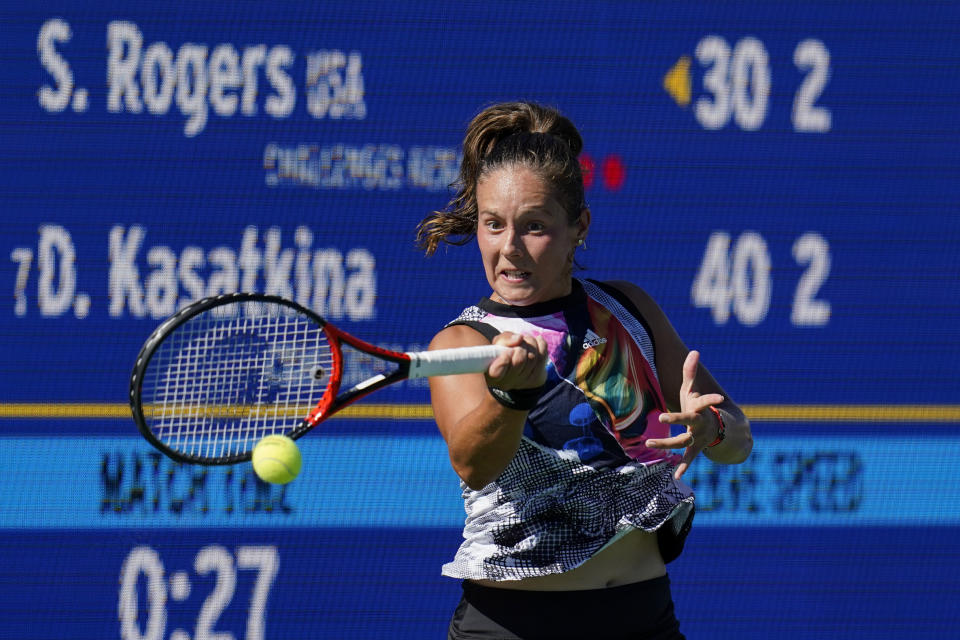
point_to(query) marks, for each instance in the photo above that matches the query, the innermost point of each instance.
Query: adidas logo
(591, 340)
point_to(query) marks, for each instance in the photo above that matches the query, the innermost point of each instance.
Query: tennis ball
(276, 459)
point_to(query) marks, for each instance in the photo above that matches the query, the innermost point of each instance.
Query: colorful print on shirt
(620, 385)
(602, 398)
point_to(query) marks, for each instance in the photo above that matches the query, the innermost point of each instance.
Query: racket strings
(228, 377)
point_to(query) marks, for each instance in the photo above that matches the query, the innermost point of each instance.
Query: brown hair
(510, 133)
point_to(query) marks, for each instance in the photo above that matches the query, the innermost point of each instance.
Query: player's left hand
(702, 427)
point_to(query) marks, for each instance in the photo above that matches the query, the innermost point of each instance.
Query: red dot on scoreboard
(614, 173)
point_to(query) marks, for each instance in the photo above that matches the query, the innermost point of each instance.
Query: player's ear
(583, 223)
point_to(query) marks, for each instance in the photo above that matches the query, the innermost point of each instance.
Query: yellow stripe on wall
(52, 410)
(946, 413)
(853, 413)
(41, 410)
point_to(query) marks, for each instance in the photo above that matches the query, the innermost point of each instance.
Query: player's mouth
(514, 275)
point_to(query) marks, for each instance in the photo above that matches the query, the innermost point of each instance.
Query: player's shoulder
(458, 335)
(624, 286)
(632, 292)
(641, 303)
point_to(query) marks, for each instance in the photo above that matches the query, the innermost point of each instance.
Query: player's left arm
(689, 391)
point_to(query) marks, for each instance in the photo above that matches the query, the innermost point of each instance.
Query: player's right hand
(524, 366)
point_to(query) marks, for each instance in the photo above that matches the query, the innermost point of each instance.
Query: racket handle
(449, 362)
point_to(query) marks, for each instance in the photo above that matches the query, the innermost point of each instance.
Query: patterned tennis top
(581, 475)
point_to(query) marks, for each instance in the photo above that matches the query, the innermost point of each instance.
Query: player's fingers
(522, 348)
(681, 417)
(542, 346)
(709, 400)
(508, 339)
(688, 457)
(536, 346)
(693, 411)
(532, 355)
(529, 348)
(522, 366)
(680, 441)
(523, 354)
(499, 366)
(524, 360)
(531, 366)
(542, 352)
(690, 365)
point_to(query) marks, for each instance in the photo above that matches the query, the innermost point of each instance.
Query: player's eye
(536, 227)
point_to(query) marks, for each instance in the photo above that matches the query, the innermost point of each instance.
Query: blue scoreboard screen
(784, 178)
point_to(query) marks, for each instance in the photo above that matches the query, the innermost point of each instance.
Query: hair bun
(563, 129)
(501, 121)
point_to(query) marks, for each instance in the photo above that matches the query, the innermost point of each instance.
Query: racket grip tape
(449, 362)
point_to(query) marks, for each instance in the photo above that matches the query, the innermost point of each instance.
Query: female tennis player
(573, 494)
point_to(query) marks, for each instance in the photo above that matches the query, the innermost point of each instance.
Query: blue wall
(788, 195)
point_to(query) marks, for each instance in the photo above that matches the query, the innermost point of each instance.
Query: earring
(582, 243)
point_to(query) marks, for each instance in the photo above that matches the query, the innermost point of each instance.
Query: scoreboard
(782, 177)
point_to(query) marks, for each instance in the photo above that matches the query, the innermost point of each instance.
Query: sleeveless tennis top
(581, 475)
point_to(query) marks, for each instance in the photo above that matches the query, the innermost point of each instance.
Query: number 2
(814, 251)
(811, 56)
(734, 276)
(215, 559)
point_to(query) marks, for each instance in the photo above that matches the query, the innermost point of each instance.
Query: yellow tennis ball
(276, 459)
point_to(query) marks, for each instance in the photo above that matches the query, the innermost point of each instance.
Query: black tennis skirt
(638, 611)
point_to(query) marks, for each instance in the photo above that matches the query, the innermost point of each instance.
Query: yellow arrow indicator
(677, 81)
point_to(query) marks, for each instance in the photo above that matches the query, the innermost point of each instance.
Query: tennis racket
(224, 372)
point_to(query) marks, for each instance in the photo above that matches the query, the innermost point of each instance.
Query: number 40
(737, 280)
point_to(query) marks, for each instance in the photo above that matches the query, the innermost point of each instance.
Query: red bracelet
(722, 431)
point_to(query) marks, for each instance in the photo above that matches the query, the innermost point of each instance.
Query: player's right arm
(482, 435)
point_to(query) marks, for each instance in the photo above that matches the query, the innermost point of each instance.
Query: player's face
(525, 237)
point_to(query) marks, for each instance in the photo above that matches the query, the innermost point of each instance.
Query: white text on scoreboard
(734, 278)
(156, 280)
(198, 79)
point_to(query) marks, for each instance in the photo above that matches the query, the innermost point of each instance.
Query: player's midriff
(633, 558)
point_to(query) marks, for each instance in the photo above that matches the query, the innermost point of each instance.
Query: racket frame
(330, 402)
